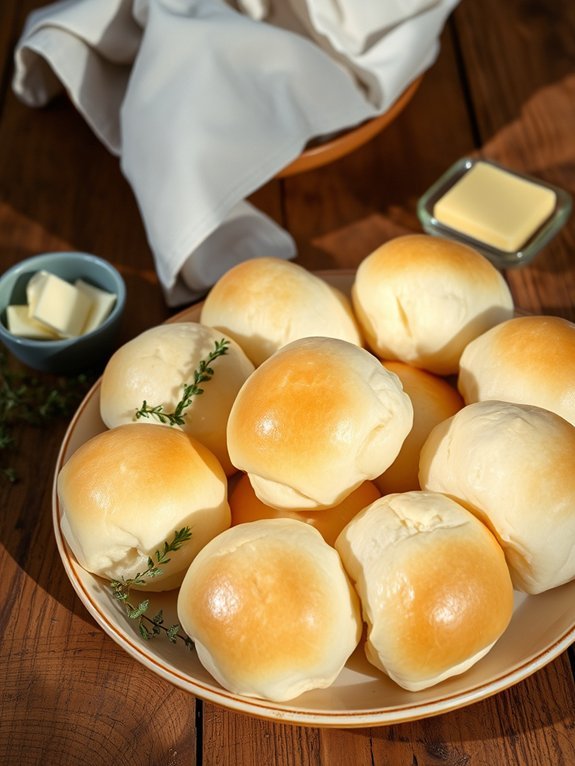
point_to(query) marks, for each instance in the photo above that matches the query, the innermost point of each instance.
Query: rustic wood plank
(238, 740)
(70, 694)
(522, 87)
(513, 727)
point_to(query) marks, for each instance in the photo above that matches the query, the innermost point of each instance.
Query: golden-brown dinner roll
(270, 609)
(314, 421)
(157, 364)
(433, 400)
(513, 465)
(265, 303)
(246, 506)
(421, 299)
(527, 360)
(125, 492)
(433, 584)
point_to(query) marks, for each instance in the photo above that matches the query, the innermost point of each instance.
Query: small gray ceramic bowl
(70, 355)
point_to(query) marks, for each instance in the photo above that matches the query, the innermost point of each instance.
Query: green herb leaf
(202, 374)
(27, 400)
(149, 627)
(136, 613)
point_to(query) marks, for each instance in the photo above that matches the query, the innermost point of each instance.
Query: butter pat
(102, 303)
(33, 290)
(20, 324)
(496, 207)
(61, 306)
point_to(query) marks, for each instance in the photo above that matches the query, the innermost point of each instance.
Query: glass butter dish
(508, 216)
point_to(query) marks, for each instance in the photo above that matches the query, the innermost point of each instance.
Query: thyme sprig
(30, 400)
(202, 374)
(150, 627)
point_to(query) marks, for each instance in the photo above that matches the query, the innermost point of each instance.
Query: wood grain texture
(503, 86)
(521, 76)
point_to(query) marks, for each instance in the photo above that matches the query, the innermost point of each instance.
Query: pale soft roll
(157, 364)
(245, 506)
(265, 303)
(421, 299)
(314, 421)
(527, 360)
(433, 584)
(513, 465)
(433, 400)
(270, 609)
(125, 492)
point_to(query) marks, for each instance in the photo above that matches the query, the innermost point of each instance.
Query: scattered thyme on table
(33, 400)
(150, 627)
(203, 374)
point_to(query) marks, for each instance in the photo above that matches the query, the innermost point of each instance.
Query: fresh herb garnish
(33, 401)
(150, 627)
(203, 374)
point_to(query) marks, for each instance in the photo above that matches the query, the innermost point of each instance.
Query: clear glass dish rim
(534, 245)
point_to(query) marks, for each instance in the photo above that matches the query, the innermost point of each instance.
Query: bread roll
(316, 420)
(265, 303)
(421, 299)
(433, 400)
(270, 609)
(433, 584)
(527, 360)
(125, 492)
(513, 465)
(157, 364)
(246, 506)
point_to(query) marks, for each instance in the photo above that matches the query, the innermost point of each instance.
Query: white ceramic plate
(542, 627)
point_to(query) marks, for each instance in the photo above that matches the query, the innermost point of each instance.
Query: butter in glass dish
(506, 215)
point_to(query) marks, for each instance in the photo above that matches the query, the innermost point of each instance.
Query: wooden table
(504, 85)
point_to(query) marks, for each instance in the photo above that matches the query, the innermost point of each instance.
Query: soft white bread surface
(245, 506)
(270, 609)
(316, 420)
(125, 492)
(421, 299)
(433, 400)
(528, 360)
(513, 465)
(265, 303)
(157, 364)
(433, 584)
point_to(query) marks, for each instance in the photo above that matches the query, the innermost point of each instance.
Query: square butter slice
(102, 303)
(62, 306)
(21, 324)
(495, 207)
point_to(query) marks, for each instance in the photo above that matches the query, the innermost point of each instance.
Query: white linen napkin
(204, 101)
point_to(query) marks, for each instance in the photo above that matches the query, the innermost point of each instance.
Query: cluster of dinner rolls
(125, 492)
(400, 460)
(265, 303)
(270, 609)
(246, 506)
(155, 366)
(434, 586)
(513, 465)
(316, 420)
(421, 300)
(433, 400)
(528, 360)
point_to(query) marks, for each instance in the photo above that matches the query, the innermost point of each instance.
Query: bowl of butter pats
(60, 312)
